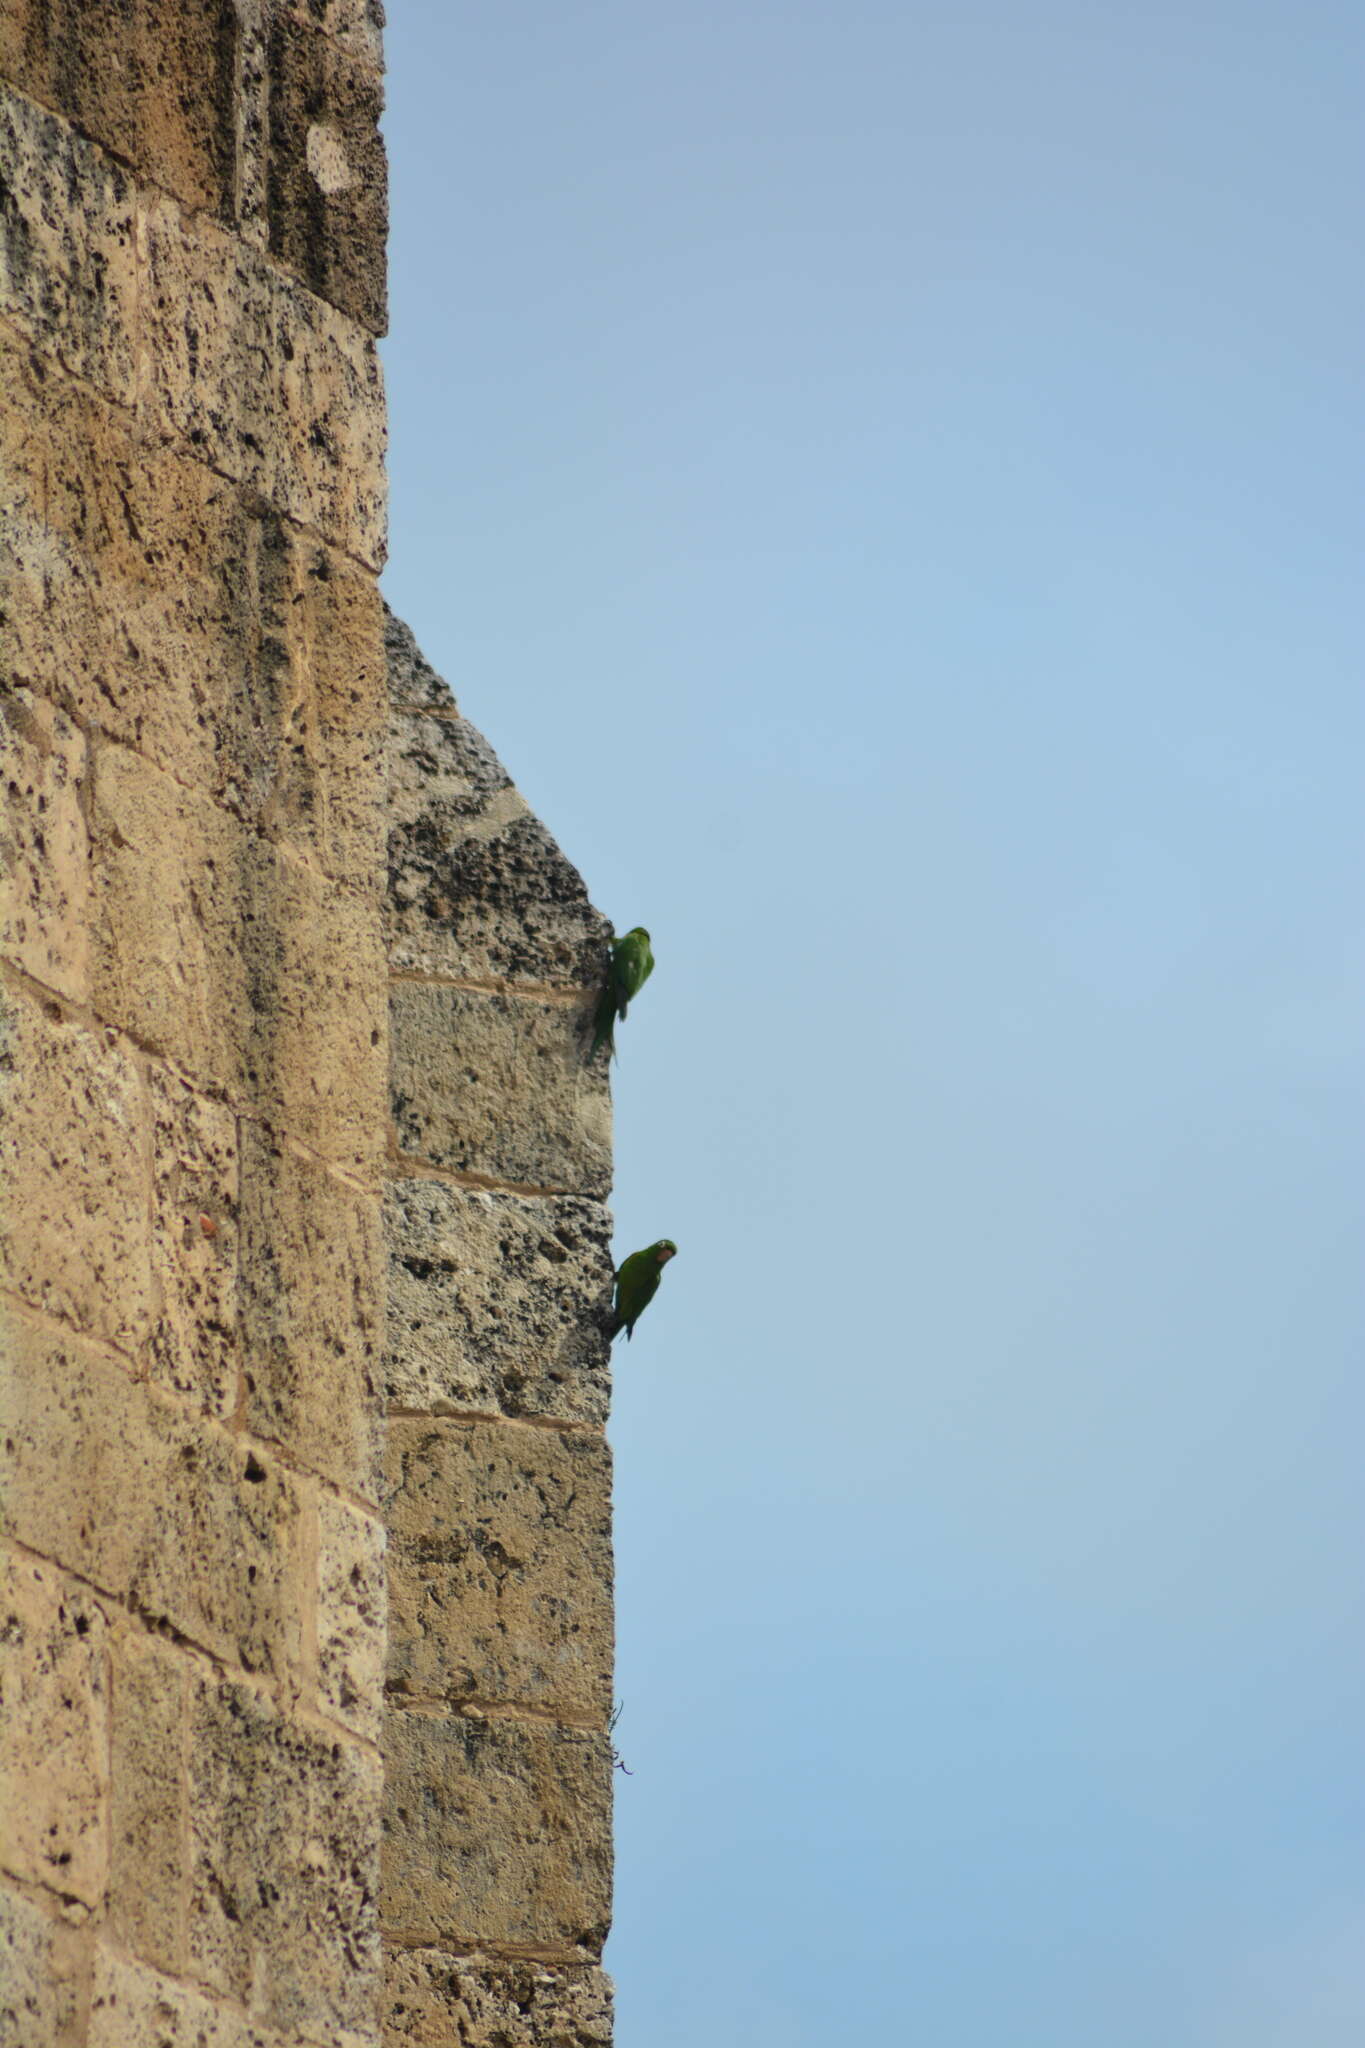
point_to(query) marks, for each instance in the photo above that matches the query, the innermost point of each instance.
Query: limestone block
(152, 81)
(193, 1344)
(254, 973)
(500, 1565)
(497, 1302)
(351, 1616)
(359, 24)
(433, 2000)
(53, 1730)
(184, 1521)
(74, 1225)
(284, 1832)
(150, 597)
(42, 1967)
(132, 2006)
(311, 1312)
(478, 890)
(68, 275)
(327, 179)
(267, 382)
(148, 1841)
(44, 866)
(413, 683)
(498, 1085)
(495, 1830)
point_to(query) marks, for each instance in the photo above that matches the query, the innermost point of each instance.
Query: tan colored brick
(311, 1312)
(151, 80)
(267, 382)
(257, 975)
(351, 1616)
(359, 24)
(496, 1830)
(74, 1224)
(194, 1244)
(148, 1845)
(44, 1967)
(44, 854)
(117, 1483)
(68, 274)
(499, 1085)
(132, 2006)
(433, 2000)
(500, 1565)
(327, 175)
(150, 597)
(53, 1730)
(478, 890)
(497, 1302)
(285, 1827)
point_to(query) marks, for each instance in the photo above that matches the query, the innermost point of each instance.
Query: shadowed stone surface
(432, 2000)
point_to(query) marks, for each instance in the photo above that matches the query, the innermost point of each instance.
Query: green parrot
(637, 1283)
(632, 963)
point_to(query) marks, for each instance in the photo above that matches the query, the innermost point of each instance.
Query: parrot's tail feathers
(603, 1022)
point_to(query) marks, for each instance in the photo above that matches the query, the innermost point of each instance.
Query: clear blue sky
(887, 479)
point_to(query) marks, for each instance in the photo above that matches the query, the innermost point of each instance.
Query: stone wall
(205, 1197)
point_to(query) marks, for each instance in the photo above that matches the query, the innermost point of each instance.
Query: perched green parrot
(632, 963)
(637, 1283)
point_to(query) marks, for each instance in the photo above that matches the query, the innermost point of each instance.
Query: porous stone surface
(352, 1602)
(53, 1706)
(68, 274)
(44, 846)
(432, 2000)
(327, 187)
(42, 1968)
(311, 1310)
(152, 80)
(496, 1830)
(498, 1085)
(500, 1566)
(270, 384)
(148, 1839)
(497, 1301)
(152, 1475)
(193, 1346)
(284, 1832)
(74, 1226)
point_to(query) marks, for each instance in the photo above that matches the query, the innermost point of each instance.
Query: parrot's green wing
(632, 965)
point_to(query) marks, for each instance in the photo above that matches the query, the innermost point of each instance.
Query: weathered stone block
(500, 1565)
(478, 890)
(256, 974)
(182, 1520)
(311, 1312)
(359, 24)
(43, 1966)
(68, 274)
(496, 1830)
(148, 1841)
(497, 1302)
(151, 80)
(499, 1086)
(135, 2007)
(264, 380)
(74, 1227)
(44, 854)
(284, 1832)
(351, 1616)
(53, 1730)
(431, 2000)
(194, 1243)
(413, 683)
(327, 179)
(147, 595)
